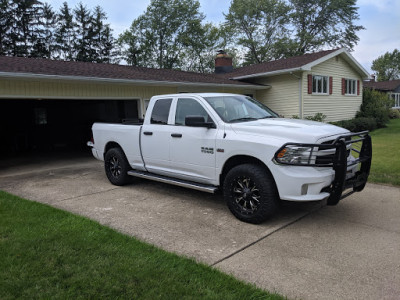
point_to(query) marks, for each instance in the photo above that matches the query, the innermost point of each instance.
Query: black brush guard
(342, 145)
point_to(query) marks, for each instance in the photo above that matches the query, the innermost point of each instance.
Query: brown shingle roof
(40, 66)
(112, 71)
(278, 65)
(383, 85)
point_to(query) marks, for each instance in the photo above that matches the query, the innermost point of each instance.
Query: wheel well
(111, 145)
(239, 160)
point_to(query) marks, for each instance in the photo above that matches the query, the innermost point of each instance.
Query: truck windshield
(238, 108)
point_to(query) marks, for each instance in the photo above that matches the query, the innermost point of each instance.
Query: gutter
(278, 72)
(128, 81)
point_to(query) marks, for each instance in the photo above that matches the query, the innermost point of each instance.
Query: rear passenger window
(161, 111)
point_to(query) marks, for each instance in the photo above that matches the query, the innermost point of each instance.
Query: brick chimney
(373, 77)
(223, 63)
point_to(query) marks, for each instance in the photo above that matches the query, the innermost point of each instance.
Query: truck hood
(292, 130)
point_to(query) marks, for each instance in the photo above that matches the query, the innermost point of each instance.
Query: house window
(396, 97)
(350, 86)
(320, 84)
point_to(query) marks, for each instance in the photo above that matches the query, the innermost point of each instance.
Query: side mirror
(198, 121)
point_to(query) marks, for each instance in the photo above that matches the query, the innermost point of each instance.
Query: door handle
(147, 133)
(177, 135)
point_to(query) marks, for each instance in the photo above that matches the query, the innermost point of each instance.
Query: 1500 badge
(207, 150)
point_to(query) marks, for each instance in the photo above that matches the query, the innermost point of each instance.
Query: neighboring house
(391, 87)
(46, 103)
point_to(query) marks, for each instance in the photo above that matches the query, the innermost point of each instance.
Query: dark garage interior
(49, 126)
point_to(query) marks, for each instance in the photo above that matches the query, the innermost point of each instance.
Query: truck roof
(196, 94)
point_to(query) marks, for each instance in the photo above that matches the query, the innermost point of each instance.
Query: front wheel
(250, 193)
(116, 166)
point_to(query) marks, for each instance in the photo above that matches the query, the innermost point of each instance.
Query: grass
(386, 154)
(47, 253)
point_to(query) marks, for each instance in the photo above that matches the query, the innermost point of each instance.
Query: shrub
(358, 124)
(394, 113)
(375, 105)
(319, 117)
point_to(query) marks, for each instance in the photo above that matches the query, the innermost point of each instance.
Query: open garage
(57, 125)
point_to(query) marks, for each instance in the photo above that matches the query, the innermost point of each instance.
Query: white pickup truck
(212, 141)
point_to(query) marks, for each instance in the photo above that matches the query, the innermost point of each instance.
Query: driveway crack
(265, 236)
(80, 196)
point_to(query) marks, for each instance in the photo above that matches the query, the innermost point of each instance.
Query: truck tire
(250, 193)
(117, 167)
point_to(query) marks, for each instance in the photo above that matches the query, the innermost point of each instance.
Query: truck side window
(189, 107)
(161, 111)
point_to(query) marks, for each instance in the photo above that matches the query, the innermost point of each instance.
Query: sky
(381, 18)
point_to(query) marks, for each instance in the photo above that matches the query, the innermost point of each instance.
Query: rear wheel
(116, 166)
(250, 193)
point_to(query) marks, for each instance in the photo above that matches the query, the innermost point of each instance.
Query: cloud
(382, 22)
(381, 5)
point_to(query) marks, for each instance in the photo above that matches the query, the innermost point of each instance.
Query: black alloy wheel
(116, 166)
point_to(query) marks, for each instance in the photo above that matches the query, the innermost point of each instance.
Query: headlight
(292, 154)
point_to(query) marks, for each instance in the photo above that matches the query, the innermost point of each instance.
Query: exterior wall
(335, 106)
(283, 96)
(86, 90)
(60, 89)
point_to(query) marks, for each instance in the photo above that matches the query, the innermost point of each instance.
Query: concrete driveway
(308, 251)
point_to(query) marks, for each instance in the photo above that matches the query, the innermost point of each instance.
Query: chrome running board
(183, 183)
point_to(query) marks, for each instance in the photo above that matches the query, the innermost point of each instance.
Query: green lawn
(386, 154)
(47, 253)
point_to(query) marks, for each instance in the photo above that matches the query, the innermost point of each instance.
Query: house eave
(127, 81)
(272, 73)
(307, 67)
(347, 57)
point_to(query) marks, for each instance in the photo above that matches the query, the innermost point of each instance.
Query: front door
(192, 149)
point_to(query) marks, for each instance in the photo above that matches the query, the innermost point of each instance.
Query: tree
(23, 34)
(387, 66)
(163, 35)
(375, 105)
(65, 34)
(44, 42)
(103, 41)
(84, 34)
(5, 27)
(259, 26)
(321, 23)
(200, 49)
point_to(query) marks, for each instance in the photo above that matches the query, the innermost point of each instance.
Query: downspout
(300, 94)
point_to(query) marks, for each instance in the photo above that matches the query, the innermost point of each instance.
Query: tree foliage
(387, 66)
(272, 29)
(32, 28)
(320, 23)
(170, 34)
(65, 33)
(259, 26)
(174, 34)
(376, 105)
